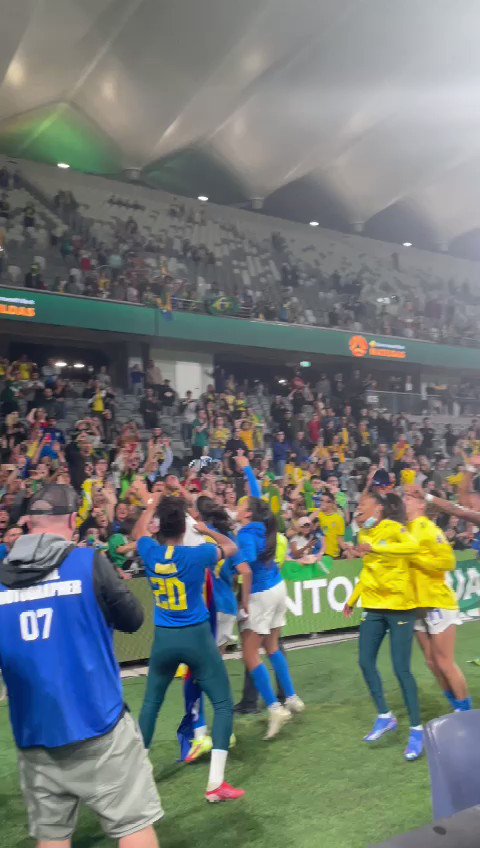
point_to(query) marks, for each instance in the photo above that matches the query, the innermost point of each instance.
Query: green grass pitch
(317, 784)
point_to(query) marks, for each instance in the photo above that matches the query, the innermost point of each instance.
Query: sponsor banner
(316, 597)
(17, 307)
(360, 347)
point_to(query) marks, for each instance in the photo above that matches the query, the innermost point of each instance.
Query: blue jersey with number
(177, 577)
(57, 658)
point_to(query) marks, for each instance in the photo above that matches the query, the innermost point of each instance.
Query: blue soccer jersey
(224, 575)
(57, 658)
(177, 576)
(252, 543)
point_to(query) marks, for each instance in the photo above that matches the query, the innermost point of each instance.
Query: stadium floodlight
(314, 224)
(305, 363)
(282, 381)
(407, 244)
(203, 198)
(78, 365)
(60, 364)
(63, 165)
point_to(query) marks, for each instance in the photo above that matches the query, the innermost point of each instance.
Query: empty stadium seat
(452, 743)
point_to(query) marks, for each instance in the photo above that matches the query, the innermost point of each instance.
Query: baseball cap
(381, 478)
(54, 499)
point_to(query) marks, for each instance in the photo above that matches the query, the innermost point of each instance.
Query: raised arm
(150, 502)
(458, 510)
(466, 493)
(244, 465)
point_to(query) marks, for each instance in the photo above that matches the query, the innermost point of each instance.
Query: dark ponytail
(261, 512)
(392, 505)
(214, 514)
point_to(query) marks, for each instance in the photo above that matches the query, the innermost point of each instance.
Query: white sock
(275, 706)
(417, 727)
(385, 715)
(290, 698)
(200, 732)
(216, 774)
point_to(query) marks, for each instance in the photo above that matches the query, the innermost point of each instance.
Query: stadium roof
(343, 111)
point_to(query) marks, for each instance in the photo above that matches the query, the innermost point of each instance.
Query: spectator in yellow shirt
(219, 437)
(320, 452)
(332, 525)
(363, 435)
(24, 368)
(337, 448)
(241, 402)
(400, 448)
(247, 435)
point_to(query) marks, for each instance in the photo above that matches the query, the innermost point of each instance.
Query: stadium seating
(321, 277)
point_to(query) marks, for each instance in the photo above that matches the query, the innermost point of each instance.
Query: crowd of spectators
(135, 265)
(313, 453)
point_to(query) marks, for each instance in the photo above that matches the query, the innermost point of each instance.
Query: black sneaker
(246, 709)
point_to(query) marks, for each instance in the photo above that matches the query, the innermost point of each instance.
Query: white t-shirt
(191, 538)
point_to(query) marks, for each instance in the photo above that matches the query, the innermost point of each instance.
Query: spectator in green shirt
(118, 551)
(200, 435)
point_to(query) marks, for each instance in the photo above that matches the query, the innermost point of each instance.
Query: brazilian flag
(222, 305)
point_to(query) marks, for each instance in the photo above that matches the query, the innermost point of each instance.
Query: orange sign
(19, 307)
(19, 311)
(358, 346)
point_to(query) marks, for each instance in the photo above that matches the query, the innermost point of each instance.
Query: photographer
(71, 749)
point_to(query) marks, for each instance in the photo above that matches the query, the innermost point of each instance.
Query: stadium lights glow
(407, 244)
(78, 365)
(64, 165)
(60, 364)
(314, 224)
(305, 363)
(203, 198)
(282, 382)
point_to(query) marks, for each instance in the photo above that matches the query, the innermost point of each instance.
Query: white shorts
(267, 610)
(225, 627)
(436, 621)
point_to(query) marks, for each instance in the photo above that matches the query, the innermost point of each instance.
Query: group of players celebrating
(59, 604)
(402, 588)
(183, 632)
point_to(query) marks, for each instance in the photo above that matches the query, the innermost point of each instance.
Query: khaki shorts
(111, 775)
(436, 621)
(267, 610)
(225, 627)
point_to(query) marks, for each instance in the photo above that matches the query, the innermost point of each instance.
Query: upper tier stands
(278, 270)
